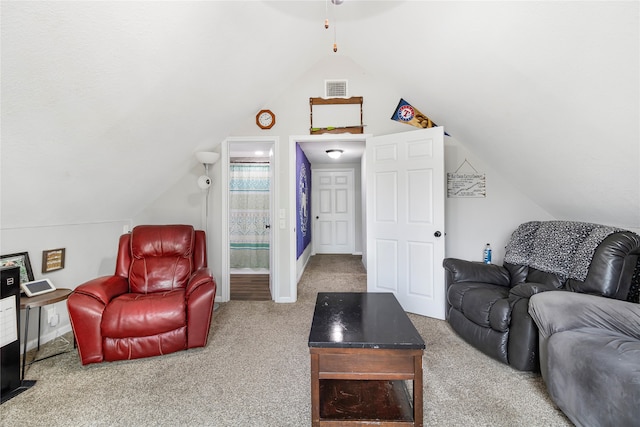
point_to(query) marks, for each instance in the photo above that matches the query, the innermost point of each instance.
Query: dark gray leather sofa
(488, 304)
(590, 356)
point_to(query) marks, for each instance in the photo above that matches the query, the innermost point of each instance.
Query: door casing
(274, 248)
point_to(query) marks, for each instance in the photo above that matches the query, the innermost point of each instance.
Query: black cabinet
(10, 324)
(10, 334)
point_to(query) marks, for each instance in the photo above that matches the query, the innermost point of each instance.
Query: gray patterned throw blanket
(564, 248)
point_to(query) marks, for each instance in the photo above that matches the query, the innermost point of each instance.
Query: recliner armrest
(199, 278)
(467, 271)
(104, 288)
(561, 311)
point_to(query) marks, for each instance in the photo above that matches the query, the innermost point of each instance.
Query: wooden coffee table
(366, 362)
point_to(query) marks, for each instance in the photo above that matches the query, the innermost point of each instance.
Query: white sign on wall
(466, 184)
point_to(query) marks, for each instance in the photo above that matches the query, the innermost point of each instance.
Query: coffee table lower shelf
(365, 401)
(366, 387)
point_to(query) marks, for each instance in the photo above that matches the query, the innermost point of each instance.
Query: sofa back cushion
(161, 257)
(579, 256)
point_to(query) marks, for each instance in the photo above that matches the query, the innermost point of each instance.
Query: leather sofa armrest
(86, 304)
(561, 311)
(528, 289)
(200, 295)
(104, 288)
(459, 270)
(199, 278)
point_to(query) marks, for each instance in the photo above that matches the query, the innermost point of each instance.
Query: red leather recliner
(160, 299)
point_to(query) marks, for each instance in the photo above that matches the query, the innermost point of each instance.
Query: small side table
(27, 303)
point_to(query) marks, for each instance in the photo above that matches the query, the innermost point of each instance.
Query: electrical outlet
(52, 316)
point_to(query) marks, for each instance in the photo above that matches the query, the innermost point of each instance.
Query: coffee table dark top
(362, 320)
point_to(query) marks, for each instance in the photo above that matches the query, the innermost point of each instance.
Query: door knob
(267, 226)
(437, 234)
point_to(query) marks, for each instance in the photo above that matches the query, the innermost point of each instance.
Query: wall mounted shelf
(337, 129)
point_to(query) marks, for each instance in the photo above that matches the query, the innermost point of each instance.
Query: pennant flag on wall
(406, 113)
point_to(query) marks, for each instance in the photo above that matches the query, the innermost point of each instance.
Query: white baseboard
(33, 343)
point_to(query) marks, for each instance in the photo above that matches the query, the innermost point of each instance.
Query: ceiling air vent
(335, 89)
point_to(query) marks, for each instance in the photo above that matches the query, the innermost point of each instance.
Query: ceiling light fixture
(334, 153)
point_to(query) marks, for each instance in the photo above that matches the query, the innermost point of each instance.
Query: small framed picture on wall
(52, 260)
(20, 259)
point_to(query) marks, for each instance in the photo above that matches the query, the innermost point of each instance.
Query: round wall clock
(265, 119)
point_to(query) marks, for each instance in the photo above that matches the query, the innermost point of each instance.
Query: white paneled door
(405, 219)
(332, 205)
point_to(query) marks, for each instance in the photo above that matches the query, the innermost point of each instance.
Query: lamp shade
(207, 157)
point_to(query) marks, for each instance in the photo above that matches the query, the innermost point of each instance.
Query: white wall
(90, 251)
(470, 223)
(184, 203)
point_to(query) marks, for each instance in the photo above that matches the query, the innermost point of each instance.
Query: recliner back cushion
(564, 248)
(536, 276)
(162, 258)
(612, 268)
(578, 256)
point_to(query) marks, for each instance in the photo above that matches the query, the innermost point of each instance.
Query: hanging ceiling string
(333, 17)
(335, 27)
(326, 14)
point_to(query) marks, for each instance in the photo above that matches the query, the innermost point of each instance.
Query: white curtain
(249, 215)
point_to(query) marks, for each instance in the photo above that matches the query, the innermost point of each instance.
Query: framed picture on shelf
(52, 260)
(20, 259)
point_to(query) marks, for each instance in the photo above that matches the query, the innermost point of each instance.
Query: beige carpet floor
(255, 372)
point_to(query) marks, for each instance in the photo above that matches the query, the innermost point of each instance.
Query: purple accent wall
(303, 201)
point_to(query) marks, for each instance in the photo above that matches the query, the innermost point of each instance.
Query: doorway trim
(225, 285)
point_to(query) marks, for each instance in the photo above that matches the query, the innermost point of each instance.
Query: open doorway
(249, 195)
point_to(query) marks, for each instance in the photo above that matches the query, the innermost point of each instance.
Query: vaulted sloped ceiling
(104, 103)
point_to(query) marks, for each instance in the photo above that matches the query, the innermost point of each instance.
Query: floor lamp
(204, 181)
